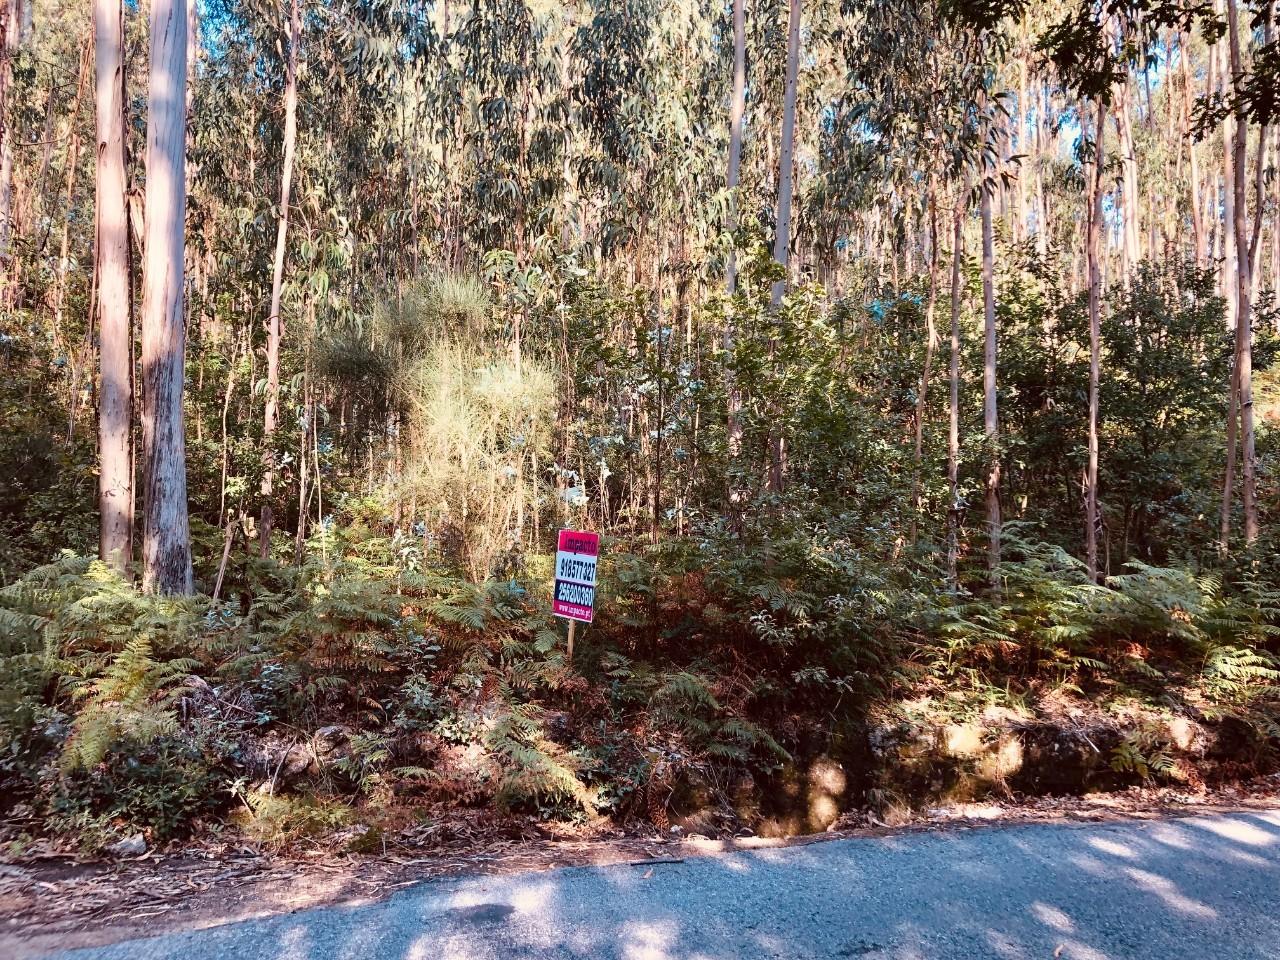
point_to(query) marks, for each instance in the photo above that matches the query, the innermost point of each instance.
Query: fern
(132, 701)
(534, 767)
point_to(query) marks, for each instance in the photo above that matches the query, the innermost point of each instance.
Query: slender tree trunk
(272, 413)
(991, 418)
(1244, 294)
(304, 476)
(1129, 195)
(1197, 217)
(930, 344)
(1260, 170)
(1233, 445)
(1221, 83)
(737, 108)
(166, 544)
(1043, 143)
(1092, 519)
(73, 163)
(782, 236)
(10, 38)
(1022, 147)
(953, 437)
(115, 326)
(1275, 233)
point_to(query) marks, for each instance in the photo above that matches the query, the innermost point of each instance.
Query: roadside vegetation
(966, 487)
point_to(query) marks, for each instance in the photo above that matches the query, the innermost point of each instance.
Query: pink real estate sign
(575, 591)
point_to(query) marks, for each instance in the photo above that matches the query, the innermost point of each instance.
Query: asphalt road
(1202, 888)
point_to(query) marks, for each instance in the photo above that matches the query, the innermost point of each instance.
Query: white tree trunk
(9, 42)
(786, 162)
(271, 415)
(990, 412)
(166, 544)
(953, 404)
(1129, 196)
(930, 345)
(115, 478)
(1091, 516)
(737, 107)
(1197, 219)
(782, 233)
(1244, 293)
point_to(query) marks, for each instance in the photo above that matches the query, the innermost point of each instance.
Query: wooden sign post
(574, 598)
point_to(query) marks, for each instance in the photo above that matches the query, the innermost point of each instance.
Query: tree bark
(1244, 292)
(1197, 218)
(10, 39)
(991, 417)
(737, 108)
(272, 412)
(166, 543)
(1091, 515)
(953, 438)
(1129, 194)
(782, 234)
(115, 326)
(930, 344)
(1275, 232)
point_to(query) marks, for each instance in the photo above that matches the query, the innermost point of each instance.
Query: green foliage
(162, 785)
(1139, 755)
(277, 821)
(535, 768)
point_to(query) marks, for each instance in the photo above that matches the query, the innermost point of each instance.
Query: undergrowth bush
(368, 680)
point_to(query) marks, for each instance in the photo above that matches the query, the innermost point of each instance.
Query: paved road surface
(1203, 888)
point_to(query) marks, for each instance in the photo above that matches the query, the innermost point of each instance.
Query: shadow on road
(1203, 887)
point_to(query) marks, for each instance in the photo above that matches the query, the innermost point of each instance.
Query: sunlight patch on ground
(1051, 916)
(1112, 847)
(1238, 831)
(1003, 945)
(294, 944)
(1168, 892)
(650, 940)
(531, 898)
(1172, 836)
(1091, 865)
(1074, 950)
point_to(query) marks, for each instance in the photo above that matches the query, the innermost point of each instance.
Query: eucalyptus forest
(916, 363)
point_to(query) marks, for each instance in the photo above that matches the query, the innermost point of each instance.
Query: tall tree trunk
(115, 326)
(272, 412)
(1197, 218)
(68, 214)
(1043, 141)
(166, 542)
(737, 108)
(991, 417)
(1275, 232)
(1221, 83)
(953, 437)
(1022, 147)
(1244, 292)
(10, 38)
(782, 235)
(930, 344)
(1092, 520)
(1260, 171)
(1233, 445)
(1130, 200)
